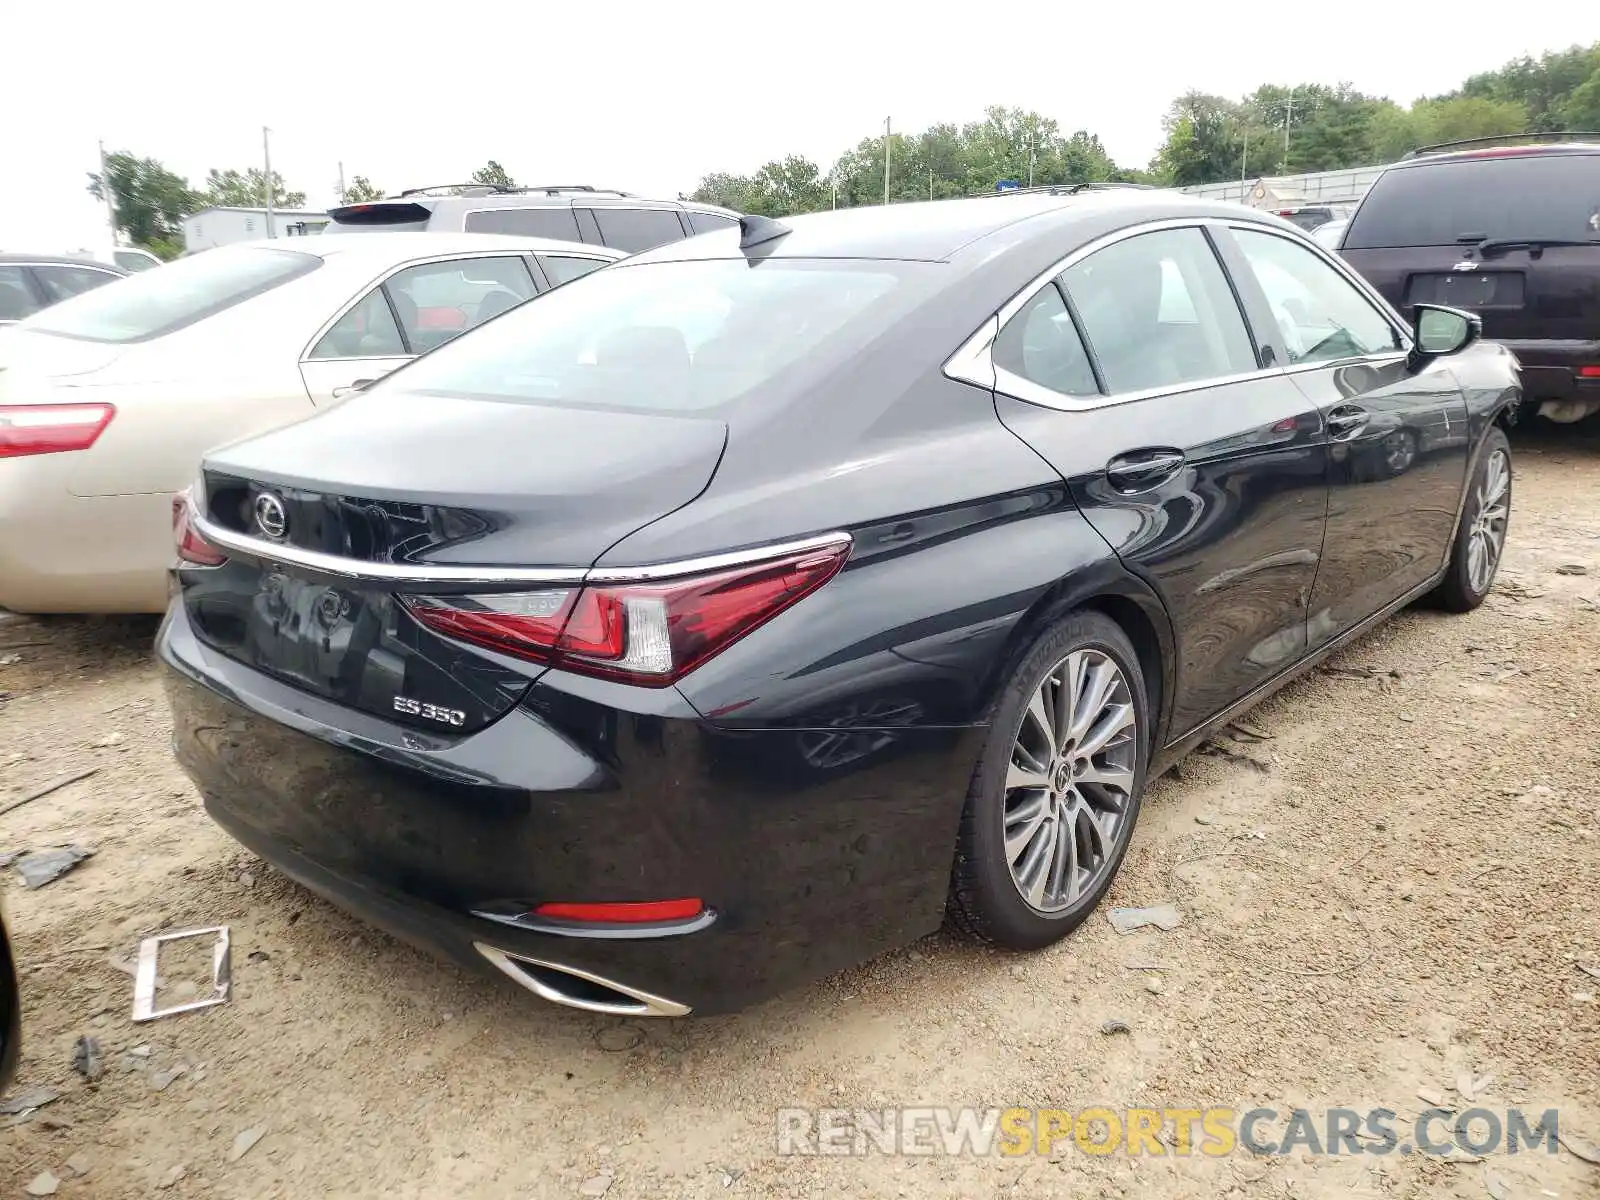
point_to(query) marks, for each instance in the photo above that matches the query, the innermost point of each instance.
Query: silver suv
(598, 216)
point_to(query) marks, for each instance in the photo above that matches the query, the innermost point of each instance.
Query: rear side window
(437, 301)
(62, 283)
(549, 222)
(16, 297)
(1467, 200)
(705, 222)
(636, 229)
(562, 268)
(1040, 344)
(1158, 311)
(154, 303)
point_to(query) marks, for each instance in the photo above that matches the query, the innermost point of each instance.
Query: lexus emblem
(271, 519)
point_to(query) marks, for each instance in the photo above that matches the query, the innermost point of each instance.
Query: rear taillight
(193, 550)
(651, 634)
(51, 428)
(1589, 372)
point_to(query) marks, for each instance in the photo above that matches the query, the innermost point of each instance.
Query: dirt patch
(1398, 892)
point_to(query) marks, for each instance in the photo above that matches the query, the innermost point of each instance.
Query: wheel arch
(1123, 598)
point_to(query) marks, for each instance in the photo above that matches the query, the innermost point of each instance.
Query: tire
(1467, 581)
(986, 892)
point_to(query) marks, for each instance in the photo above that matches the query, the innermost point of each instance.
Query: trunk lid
(405, 483)
(26, 355)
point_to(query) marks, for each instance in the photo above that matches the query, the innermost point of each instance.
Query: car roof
(1424, 158)
(62, 260)
(385, 247)
(936, 231)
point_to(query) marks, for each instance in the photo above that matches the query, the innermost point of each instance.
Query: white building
(218, 226)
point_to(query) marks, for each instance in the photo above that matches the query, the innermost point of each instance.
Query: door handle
(339, 393)
(1347, 421)
(1140, 470)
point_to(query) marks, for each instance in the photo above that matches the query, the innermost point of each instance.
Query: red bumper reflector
(623, 914)
(1589, 372)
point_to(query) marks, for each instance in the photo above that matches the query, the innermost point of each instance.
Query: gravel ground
(1395, 892)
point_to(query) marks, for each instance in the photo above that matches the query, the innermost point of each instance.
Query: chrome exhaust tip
(577, 988)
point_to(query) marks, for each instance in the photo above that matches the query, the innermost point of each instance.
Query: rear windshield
(1450, 203)
(153, 303)
(672, 336)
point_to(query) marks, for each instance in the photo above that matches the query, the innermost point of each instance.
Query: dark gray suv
(570, 214)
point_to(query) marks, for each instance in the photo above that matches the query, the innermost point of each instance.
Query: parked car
(32, 282)
(1508, 228)
(108, 401)
(784, 584)
(133, 258)
(1329, 234)
(1314, 216)
(597, 216)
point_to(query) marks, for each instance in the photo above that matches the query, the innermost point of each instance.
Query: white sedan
(109, 400)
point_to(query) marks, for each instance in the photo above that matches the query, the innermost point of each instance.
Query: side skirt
(1180, 746)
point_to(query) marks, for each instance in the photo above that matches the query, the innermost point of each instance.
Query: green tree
(149, 201)
(493, 173)
(236, 189)
(361, 190)
(1545, 87)
(1207, 141)
(725, 190)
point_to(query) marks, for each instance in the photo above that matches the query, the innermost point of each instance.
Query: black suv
(568, 214)
(1510, 229)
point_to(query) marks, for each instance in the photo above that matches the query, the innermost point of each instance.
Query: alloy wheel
(1070, 780)
(1491, 512)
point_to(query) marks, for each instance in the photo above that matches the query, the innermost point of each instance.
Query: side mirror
(1441, 331)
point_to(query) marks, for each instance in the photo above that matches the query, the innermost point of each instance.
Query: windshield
(153, 303)
(1467, 200)
(672, 335)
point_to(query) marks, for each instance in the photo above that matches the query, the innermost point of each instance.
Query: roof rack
(459, 189)
(500, 189)
(1504, 139)
(1073, 189)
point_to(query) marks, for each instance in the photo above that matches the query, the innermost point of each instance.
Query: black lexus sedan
(732, 614)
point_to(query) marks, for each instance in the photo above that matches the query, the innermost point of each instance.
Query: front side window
(635, 229)
(1158, 312)
(1320, 313)
(61, 283)
(562, 268)
(677, 336)
(154, 303)
(16, 297)
(1041, 344)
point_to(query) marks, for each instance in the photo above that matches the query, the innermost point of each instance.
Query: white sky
(649, 97)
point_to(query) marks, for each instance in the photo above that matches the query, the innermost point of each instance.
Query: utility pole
(266, 182)
(930, 183)
(105, 192)
(835, 183)
(886, 144)
(1033, 131)
(1288, 118)
(341, 183)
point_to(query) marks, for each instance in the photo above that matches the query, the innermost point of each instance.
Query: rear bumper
(804, 875)
(1550, 368)
(61, 553)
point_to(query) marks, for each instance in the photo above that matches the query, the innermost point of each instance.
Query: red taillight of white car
(650, 634)
(193, 550)
(27, 429)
